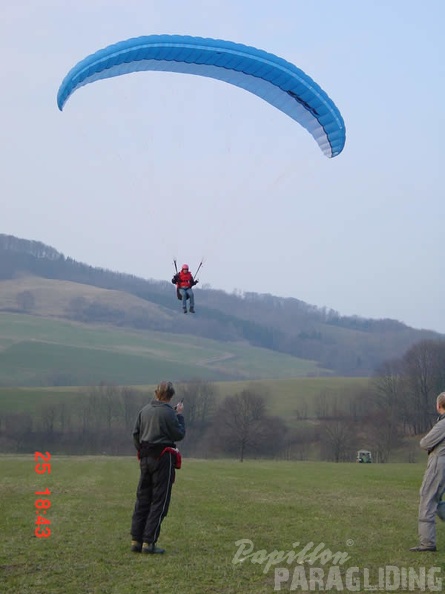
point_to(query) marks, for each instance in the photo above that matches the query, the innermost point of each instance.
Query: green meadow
(228, 524)
(59, 352)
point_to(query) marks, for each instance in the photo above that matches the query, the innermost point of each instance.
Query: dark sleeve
(136, 432)
(176, 426)
(175, 279)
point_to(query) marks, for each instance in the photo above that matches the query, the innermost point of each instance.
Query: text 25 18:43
(42, 505)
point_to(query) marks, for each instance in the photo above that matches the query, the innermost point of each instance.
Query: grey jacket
(158, 424)
(434, 441)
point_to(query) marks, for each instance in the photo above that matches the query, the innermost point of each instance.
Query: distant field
(283, 397)
(40, 351)
(366, 514)
(54, 298)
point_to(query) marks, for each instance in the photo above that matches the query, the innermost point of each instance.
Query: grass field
(365, 512)
(59, 352)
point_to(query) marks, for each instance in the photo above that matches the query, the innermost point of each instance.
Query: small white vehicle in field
(364, 456)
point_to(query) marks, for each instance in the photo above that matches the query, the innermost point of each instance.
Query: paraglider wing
(270, 77)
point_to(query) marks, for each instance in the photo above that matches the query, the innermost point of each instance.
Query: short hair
(165, 391)
(441, 400)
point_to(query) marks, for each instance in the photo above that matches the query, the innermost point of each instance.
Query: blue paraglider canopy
(270, 77)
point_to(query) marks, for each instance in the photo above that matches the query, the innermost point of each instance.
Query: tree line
(102, 419)
(397, 404)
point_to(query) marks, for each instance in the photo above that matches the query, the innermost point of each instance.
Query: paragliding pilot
(184, 282)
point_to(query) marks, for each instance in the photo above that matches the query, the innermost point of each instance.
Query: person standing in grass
(158, 426)
(433, 485)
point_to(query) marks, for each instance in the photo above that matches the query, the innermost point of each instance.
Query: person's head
(185, 267)
(164, 391)
(440, 403)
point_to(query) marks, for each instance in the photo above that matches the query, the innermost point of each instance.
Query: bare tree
(389, 409)
(25, 300)
(338, 440)
(109, 397)
(388, 384)
(49, 417)
(301, 412)
(239, 422)
(199, 399)
(88, 415)
(382, 434)
(321, 405)
(424, 370)
(359, 405)
(130, 403)
(64, 416)
(297, 442)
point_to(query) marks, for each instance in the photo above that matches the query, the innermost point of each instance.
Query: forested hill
(345, 345)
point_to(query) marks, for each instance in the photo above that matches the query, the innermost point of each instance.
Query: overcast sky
(142, 168)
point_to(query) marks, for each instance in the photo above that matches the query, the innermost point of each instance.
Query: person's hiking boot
(136, 547)
(184, 309)
(152, 549)
(192, 310)
(422, 549)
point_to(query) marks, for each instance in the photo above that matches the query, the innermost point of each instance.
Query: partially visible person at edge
(433, 485)
(184, 282)
(158, 426)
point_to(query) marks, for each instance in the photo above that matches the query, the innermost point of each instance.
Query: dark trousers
(152, 497)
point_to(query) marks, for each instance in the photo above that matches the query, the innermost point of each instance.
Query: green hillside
(62, 298)
(39, 281)
(43, 351)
